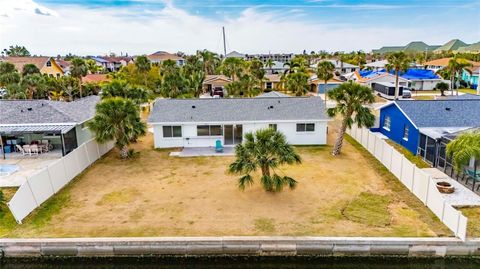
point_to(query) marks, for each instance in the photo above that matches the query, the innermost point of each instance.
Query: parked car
(3, 93)
(218, 92)
(407, 94)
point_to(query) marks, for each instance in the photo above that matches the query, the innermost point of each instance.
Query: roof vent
(29, 109)
(270, 107)
(193, 106)
(448, 109)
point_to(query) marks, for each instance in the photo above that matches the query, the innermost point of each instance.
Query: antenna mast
(224, 43)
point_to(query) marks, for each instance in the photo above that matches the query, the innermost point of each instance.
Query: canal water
(246, 263)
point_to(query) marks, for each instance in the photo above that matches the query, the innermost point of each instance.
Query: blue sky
(252, 25)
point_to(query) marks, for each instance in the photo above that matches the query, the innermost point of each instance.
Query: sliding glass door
(233, 134)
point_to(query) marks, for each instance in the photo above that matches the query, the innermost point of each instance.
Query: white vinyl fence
(48, 181)
(416, 180)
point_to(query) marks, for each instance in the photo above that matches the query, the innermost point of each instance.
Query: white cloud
(102, 30)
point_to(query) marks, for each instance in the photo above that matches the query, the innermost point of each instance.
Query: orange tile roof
(95, 78)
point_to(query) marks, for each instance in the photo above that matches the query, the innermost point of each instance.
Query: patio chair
(27, 149)
(470, 175)
(35, 149)
(20, 149)
(46, 146)
(218, 146)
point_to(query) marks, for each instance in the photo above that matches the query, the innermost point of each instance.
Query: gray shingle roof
(443, 113)
(47, 112)
(237, 109)
(272, 94)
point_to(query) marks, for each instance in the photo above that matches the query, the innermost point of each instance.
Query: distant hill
(420, 46)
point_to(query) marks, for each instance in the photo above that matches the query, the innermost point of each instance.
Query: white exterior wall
(386, 79)
(424, 85)
(289, 129)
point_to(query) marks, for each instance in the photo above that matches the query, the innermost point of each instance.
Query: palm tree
(297, 83)
(17, 51)
(78, 69)
(399, 62)
(92, 66)
(463, 148)
(454, 69)
(233, 67)
(32, 83)
(194, 82)
(30, 69)
(351, 98)
(269, 63)
(210, 61)
(266, 149)
(325, 71)
(442, 86)
(143, 65)
(117, 119)
(8, 74)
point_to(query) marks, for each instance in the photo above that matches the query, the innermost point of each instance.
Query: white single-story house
(374, 77)
(201, 122)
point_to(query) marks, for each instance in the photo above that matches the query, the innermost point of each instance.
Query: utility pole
(224, 43)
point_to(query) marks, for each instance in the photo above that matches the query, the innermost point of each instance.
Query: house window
(49, 64)
(209, 130)
(405, 132)
(305, 127)
(273, 126)
(172, 131)
(268, 85)
(386, 123)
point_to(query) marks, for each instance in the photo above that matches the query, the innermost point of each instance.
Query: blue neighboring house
(419, 125)
(471, 77)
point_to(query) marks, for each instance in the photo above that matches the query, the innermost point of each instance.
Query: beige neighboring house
(438, 64)
(212, 82)
(46, 65)
(272, 82)
(161, 56)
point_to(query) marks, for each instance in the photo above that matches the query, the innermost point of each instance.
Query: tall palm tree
(143, 65)
(30, 69)
(351, 98)
(269, 63)
(8, 74)
(78, 69)
(233, 67)
(455, 68)
(266, 150)
(463, 148)
(32, 83)
(117, 119)
(325, 71)
(297, 83)
(398, 62)
(210, 61)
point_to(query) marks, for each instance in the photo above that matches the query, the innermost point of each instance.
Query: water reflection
(246, 263)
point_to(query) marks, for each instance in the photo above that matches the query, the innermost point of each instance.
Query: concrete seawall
(238, 246)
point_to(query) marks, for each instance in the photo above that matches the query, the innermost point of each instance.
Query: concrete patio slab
(28, 165)
(204, 152)
(461, 197)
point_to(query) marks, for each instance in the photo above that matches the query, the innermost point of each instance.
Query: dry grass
(419, 162)
(158, 195)
(473, 215)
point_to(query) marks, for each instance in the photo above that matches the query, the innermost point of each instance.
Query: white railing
(416, 180)
(48, 181)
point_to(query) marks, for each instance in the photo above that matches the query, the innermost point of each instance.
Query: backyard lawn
(158, 195)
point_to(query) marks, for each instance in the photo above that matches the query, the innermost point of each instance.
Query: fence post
(31, 192)
(428, 190)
